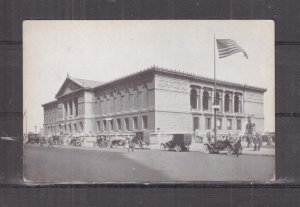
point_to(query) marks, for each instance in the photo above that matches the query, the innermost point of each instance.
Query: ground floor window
(219, 124)
(229, 124)
(196, 123)
(126, 121)
(145, 122)
(239, 124)
(207, 123)
(135, 123)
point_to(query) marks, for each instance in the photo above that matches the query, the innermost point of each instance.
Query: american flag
(228, 47)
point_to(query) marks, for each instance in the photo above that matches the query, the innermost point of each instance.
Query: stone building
(153, 100)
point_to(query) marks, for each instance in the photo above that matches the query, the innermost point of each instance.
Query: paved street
(114, 165)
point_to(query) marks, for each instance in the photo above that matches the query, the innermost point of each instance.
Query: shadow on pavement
(72, 165)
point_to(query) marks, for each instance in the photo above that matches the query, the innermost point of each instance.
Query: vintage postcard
(149, 101)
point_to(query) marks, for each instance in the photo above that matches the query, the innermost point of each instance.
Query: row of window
(123, 124)
(208, 122)
(120, 103)
(69, 128)
(207, 101)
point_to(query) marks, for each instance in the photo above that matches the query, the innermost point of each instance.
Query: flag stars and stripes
(228, 47)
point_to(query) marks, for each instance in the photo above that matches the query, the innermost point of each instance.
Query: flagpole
(215, 94)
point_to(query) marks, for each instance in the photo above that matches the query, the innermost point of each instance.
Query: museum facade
(155, 100)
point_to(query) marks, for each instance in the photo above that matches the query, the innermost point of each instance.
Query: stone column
(232, 102)
(73, 108)
(223, 100)
(200, 99)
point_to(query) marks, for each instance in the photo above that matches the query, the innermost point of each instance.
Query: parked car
(76, 141)
(179, 142)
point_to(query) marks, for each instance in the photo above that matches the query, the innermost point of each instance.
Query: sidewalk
(264, 150)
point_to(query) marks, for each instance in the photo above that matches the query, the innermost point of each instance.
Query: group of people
(49, 141)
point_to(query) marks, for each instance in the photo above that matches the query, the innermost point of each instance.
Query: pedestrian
(130, 144)
(50, 142)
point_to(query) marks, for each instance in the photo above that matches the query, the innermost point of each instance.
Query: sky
(107, 49)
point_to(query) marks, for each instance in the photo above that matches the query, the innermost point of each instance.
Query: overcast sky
(106, 50)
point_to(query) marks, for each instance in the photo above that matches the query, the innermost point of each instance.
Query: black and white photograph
(156, 101)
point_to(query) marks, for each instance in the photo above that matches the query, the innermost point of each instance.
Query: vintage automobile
(179, 142)
(227, 146)
(76, 141)
(117, 143)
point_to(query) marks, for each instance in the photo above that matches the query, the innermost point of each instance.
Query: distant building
(155, 99)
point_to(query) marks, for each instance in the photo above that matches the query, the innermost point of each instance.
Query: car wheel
(162, 147)
(187, 148)
(229, 150)
(177, 148)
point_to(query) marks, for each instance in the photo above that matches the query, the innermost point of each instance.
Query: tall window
(229, 124)
(71, 108)
(219, 124)
(205, 100)
(104, 125)
(118, 124)
(217, 98)
(66, 110)
(193, 98)
(239, 124)
(236, 104)
(196, 123)
(136, 100)
(145, 98)
(207, 123)
(127, 101)
(227, 102)
(75, 128)
(145, 122)
(126, 120)
(111, 124)
(135, 123)
(98, 126)
(81, 126)
(70, 128)
(76, 106)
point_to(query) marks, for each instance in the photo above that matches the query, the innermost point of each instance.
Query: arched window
(227, 102)
(205, 100)
(193, 99)
(236, 104)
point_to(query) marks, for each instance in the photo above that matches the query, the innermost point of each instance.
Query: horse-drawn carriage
(34, 138)
(57, 140)
(141, 140)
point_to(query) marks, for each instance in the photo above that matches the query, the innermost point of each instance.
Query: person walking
(130, 144)
(50, 142)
